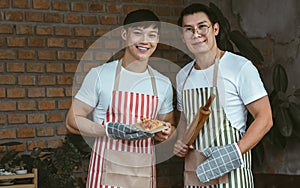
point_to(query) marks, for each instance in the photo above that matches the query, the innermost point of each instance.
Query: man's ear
(124, 34)
(216, 28)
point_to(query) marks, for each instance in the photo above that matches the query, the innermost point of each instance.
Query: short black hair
(142, 18)
(195, 8)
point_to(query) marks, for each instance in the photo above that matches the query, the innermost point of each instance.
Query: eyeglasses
(201, 29)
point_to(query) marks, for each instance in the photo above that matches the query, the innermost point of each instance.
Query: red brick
(58, 5)
(15, 92)
(35, 67)
(69, 91)
(26, 80)
(55, 92)
(20, 147)
(8, 106)
(20, 4)
(2, 66)
(2, 92)
(25, 133)
(55, 143)
(56, 42)
(36, 92)
(72, 19)
(129, 8)
(16, 118)
(7, 134)
(114, 8)
(13, 16)
(6, 28)
(7, 79)
(2, 41)
(89, 19)
(96, 7)
(70, 67)
(61, 130)
(24, 29)
(15, 67)
(41, 4)
(3, 119)
(89, 43)
(15, 42)
(75, 43)
(46, 105)
(26, 54)
(27, 105)
(7, 54)
(63, 31)
(82, 31)
(101, 31)
(36, 118)
(64, 104)
(53, 17)
(44, 131)
(54, 117)
(46, 55)
(4, 4)
(44, 30)
(65, 80)
(65, 55)
(36, 144)
(54, 67)
(36, 42)
(46, 80)
(34, 16)
(112, 44)
(108, 20)
(78, 6)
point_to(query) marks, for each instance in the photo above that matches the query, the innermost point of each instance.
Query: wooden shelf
(33, 176)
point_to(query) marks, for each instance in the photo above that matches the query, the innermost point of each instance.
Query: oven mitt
(221, 160)
(118, 130)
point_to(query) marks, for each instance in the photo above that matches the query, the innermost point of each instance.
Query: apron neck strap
(117, 78)
(216, 69)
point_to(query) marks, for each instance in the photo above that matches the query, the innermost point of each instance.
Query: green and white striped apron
(217, 131)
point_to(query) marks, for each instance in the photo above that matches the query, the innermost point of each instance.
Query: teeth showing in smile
(142, 48)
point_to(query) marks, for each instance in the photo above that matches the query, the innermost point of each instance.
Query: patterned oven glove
(221, 160)
(118, 130)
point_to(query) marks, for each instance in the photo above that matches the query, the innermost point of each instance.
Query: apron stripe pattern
(217, 131)
(128, 108)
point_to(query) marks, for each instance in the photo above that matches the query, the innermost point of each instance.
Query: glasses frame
(196, 29)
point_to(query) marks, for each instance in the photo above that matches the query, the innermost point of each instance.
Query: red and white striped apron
(128, 108)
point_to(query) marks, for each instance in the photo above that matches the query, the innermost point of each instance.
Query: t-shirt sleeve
(89, 90)
(250, 84)
(167, 104)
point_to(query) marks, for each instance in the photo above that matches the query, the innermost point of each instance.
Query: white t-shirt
(96, 89)
(238, 84)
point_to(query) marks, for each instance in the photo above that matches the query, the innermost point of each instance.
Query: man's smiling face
(141, 42)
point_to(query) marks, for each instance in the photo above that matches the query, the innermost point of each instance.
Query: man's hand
(118, 130)
(164, 134)
(180, 149)
(221, 160)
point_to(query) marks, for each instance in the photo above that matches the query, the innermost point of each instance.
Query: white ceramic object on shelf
(19, 172)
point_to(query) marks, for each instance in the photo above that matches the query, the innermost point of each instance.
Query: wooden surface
(33, 176)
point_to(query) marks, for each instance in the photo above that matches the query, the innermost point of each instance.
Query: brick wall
(42, 42)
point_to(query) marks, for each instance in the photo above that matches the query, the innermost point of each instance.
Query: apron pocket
(127, 169)
(192, 160)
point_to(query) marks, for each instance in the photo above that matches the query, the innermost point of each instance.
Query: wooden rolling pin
(198, 122)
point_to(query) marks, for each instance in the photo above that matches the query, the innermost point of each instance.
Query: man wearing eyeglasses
(224, 141)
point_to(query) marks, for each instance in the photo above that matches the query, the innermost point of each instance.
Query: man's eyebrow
(197, 24)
